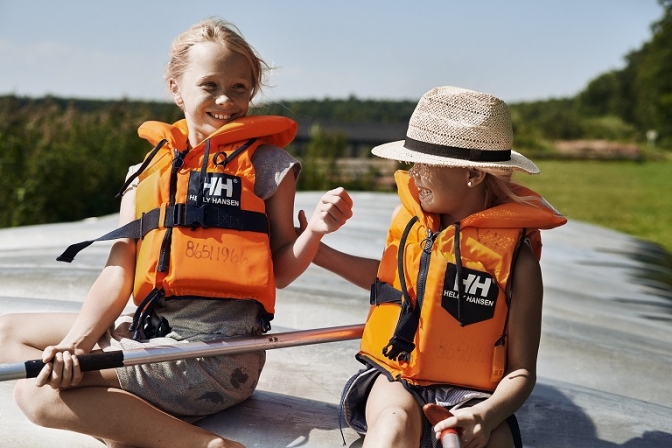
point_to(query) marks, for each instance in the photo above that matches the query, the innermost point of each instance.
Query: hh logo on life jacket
(479, 294)
(217, 188)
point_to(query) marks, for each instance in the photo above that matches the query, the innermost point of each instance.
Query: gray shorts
(194, 388)
(356, 392)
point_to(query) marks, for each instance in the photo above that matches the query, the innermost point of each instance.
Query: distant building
(361, 136)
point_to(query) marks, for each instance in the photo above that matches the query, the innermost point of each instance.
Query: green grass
(631, 197)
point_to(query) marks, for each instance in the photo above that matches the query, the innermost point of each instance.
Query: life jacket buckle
(195, 217)
(142, 228)
(399, 349)
(175, 216)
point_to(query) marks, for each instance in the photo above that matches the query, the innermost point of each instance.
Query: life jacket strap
(142, 326)
(383, 292)
(134, 229)
(208, 215)
(180, 215)
(458, 273)
(265, 321)
(509, 294)
(401, 344)
(145, 164)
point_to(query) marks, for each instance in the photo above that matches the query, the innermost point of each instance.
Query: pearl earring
(469, 184)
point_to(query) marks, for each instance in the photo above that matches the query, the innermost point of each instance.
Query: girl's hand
(61, 368)
(333, 210)
(475, 433)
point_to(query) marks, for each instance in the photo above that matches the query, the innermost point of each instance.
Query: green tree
(653, 78)
(63, 160)
(320, 170)
(641, 93)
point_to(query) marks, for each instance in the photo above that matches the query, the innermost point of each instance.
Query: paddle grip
(450, 437)
(87, 363)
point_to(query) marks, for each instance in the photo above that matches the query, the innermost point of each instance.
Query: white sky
(519, 50)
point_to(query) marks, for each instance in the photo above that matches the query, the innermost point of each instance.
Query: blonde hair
(500, 188)
(218, 31)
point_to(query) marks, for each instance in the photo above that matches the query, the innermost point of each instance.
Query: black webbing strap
(142, 319)
(458, 273)
(204, 170)
(383, 292)
(234, 154)
(401, 344)
(134, 229)
(142, 168)
(181, 215)
(509, 286)
(208, 215)
(166, 243)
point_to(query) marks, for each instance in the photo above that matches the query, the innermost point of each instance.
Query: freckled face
(441, 189)
(215, 88)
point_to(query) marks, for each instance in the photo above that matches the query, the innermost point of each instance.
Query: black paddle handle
(87, 363)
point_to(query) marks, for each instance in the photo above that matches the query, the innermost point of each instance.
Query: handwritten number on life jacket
(215, 253)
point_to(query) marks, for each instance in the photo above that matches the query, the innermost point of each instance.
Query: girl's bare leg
(393, 416)
(501, 437)
(97, 406)
(24, 336)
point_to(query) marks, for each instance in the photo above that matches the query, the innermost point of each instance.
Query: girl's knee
(10, 338)
(33, 402)
(5, 328)
(224, 443)
(397, 415)
(501, 437)
(396, 421)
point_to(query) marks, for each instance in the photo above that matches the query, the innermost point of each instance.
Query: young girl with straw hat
(456, 300)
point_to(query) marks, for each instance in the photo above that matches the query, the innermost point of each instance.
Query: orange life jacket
(231, 259)
(443, 320)
(201, 231)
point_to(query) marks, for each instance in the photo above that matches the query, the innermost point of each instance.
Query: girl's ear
(175, 91)
(475, 176)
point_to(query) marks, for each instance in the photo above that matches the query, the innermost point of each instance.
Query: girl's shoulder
(272, 164)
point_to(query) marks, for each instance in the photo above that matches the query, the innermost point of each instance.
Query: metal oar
(159, 353)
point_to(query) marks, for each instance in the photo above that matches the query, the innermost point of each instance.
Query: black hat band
(473, 155)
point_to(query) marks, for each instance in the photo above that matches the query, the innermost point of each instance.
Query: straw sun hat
(457, 127)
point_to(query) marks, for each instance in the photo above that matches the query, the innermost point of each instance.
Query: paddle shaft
(189, 350)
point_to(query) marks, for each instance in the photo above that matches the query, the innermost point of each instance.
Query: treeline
(349, 110)
(64, 159)
(641, 93)
(621, 105)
